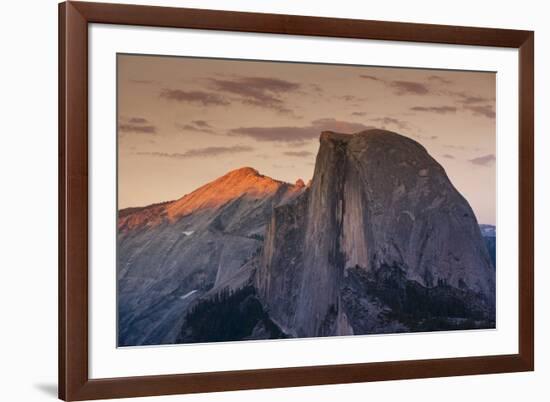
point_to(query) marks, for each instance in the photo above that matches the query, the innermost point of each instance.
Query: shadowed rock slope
(171, 254)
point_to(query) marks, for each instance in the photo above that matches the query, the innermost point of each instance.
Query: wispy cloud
(132, 128)
(298, 154)
(391, 121)
(360, 114)
(448, 156)
(200, 152)
(198, 97)
(201, 123)
(200, 126)
(439, 79)
(465, 98)
(461, 147)
(298, 133)
(370, 77)
(485, 160)
(401, 87)
(138, 125)
(434, 109)
(143, 82)
(352, 98)
(279, 166)
(409, 87)
(477, 105)
(138, 120)
(425, 137)
(482, 110)
(262, 92)
(316, 88)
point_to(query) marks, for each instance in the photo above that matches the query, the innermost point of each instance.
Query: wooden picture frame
(74, 381)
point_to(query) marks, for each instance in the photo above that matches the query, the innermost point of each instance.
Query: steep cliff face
(379, 241)
(280, 270)
(171, 254)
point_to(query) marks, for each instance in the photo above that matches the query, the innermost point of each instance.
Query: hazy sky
(183, 122)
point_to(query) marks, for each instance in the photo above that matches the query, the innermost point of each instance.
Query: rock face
(171, 254)
(379, 242)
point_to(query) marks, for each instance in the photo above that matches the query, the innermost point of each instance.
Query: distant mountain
(489, 233)
(378, 242)
(488, 230)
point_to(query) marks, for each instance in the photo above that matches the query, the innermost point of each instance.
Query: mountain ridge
(378, 229)
(244, 181)
(170, 254)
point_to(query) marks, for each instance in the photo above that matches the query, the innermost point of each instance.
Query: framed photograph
(259, 200)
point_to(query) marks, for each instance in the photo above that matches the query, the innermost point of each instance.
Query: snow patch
(185, 296)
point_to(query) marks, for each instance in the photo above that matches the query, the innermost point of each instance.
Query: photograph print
(274, 200)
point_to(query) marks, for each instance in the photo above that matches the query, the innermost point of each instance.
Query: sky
(183, 122)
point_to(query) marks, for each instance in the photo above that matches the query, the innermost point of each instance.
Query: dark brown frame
(74, 382)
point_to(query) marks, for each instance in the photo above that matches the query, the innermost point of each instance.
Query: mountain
(381, 242)
(489, 233)
(378, 242)
(170, 254)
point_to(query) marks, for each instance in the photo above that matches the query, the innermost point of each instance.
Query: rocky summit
(381, 242)
(378, 242)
